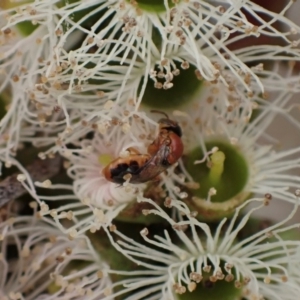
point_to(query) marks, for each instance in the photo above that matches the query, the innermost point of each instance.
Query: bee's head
(168, 124)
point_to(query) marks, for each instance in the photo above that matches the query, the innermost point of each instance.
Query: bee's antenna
(159, 112)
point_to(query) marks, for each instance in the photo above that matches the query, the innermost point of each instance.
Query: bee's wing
(153, 167)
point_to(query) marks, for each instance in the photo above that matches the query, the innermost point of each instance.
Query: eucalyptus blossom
(81, 84)
(48, 265)
(191, 261)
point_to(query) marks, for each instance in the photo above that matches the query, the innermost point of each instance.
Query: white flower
(220, 118)
(57, 84)
(48, 265)
(21, 58)
(114, 134)
(95, 201)
(186, 28)
(123, 36)
(75, 86)
(197, 256)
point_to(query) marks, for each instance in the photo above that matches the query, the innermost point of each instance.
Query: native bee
(163, 152)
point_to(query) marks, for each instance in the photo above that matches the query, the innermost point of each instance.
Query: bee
(163, 152)
(170, 135)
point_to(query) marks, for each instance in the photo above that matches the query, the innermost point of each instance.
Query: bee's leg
(157, 179)
(132, 150)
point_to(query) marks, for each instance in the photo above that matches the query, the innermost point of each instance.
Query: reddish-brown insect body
(170, 135)
(164, 151)
(117, 170)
